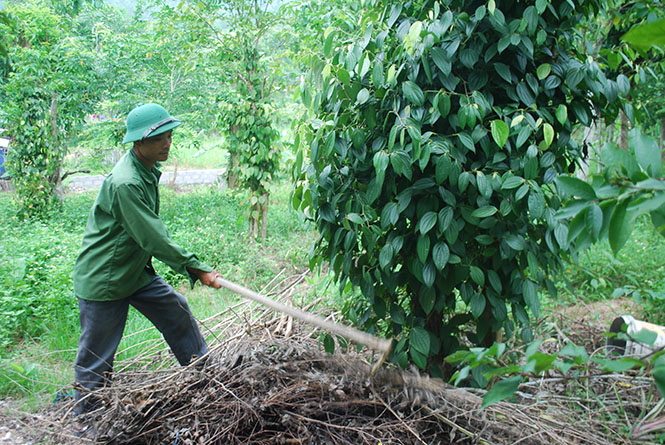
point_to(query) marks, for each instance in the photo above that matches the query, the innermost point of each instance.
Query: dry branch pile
(268, 382)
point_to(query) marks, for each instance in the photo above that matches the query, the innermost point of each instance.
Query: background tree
(246, 111)
(600, 38)
(440, 130)
(50, 87)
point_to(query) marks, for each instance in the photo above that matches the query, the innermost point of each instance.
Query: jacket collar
(150, 174)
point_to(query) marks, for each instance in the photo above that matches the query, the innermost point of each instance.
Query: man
(114, 267)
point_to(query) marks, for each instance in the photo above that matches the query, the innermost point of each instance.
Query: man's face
(154, 149)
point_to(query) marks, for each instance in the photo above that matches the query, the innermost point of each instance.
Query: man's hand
(207, 278)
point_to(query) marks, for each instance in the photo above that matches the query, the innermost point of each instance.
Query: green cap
(148, 120)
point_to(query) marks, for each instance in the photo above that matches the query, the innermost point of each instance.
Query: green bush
(429, 167)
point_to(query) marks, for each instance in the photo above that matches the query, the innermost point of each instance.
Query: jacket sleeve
(144, 226)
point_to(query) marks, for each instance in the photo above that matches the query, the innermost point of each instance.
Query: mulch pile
(268, 382)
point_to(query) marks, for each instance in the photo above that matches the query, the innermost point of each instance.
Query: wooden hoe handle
(376, 344)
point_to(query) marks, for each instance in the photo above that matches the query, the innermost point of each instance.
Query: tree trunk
(232, 168)
(231, 171)
(625, 128)
(264, 218)
(56, 177)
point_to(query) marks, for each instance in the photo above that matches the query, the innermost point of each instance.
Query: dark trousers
(102, 325)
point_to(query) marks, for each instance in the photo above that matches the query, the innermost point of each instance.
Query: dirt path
(183, 178)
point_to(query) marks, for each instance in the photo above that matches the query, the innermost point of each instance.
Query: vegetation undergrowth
(637, 272)
(38, 311)
(39, 317)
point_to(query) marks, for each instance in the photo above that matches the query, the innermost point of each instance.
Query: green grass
(38, 312)
(637, 271)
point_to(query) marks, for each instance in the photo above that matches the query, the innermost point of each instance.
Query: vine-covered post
(246, 111)
(51, 87)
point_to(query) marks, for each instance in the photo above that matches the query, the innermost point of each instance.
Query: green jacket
(123, 233)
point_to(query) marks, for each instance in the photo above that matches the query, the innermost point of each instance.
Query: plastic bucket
(634, 328)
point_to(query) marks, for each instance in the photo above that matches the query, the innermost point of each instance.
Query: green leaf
(389, 214)
(516, 242)
(427, 222)
(647, 152)
(477, 275)
(442, 169)
(377, 74)
(420, 341)
(503, 71)
(483, 184)
(523, 135)
(355, 218)
(530, 293)
(543, 71)
(419, 359)
(401, 163)
(620, 227)
(501, 391)
(484, 212)
(494, 280)
(329, 344)
(477, 305)
(525, 94)
(548, 134)
(440, 254)
(577, 353)
(562, 114)
(363, 96)
(422, 247)
(445, 218)
(575, 187)
(619, 365)
(646, 35)
(466, 141)
(468, 57)
(444, 104)
(500, 132)
(413, 93)
(427, 300)
(659, 379)
(512, 182)
(429, 274)
(385, 256)
(327, 46)
(381, 161)
(594, 221)
(343, 76)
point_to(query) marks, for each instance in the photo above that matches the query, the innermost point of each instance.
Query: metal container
(634, 329)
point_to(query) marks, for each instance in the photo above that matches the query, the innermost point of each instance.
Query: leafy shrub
(439, 132)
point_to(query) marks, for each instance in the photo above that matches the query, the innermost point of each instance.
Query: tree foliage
(50, 87)
(630, 182)
(440, 130)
